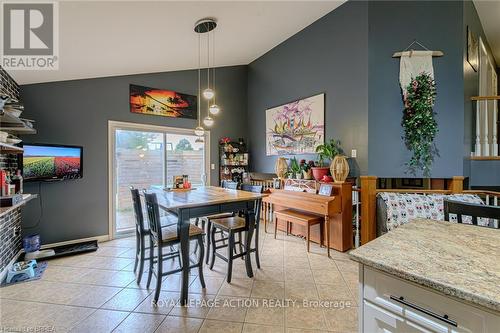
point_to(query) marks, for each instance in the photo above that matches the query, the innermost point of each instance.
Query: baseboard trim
(3, 274)
(99, 239)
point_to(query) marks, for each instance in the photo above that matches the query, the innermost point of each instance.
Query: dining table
(202, 201)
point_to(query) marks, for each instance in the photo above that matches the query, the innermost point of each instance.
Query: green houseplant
(295, 169)
(326, 151)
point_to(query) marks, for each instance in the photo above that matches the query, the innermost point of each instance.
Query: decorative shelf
(485, 158)
(485, 98)
(6, 148)
(20, 130)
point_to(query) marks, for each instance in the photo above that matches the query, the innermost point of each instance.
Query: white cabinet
(391, 304)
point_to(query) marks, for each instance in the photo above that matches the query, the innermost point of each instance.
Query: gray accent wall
(330, 56)
(77, 113)
(392, 27)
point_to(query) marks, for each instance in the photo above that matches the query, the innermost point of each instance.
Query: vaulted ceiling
(98, 39)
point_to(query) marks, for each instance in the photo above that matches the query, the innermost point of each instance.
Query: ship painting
(297, 127)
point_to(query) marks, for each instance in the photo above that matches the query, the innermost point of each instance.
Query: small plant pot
(320, 172)
(307, 174)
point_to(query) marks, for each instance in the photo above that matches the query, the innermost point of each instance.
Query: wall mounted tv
(52, 162)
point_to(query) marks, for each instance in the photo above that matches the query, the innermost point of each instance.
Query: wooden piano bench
(305, 219)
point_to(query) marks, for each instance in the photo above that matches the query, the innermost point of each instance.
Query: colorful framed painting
(297, 127)
(159, 102)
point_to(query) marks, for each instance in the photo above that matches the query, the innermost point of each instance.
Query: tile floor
(294, 291)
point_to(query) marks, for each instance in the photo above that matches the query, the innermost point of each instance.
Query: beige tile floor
(97, 292)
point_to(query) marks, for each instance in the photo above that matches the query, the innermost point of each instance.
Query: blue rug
(40, 268)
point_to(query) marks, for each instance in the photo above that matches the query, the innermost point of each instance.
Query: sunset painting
(159, 102)
(297, 127)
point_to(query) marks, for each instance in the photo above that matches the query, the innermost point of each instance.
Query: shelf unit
(6, 148)
(233, 161)
(12, 124)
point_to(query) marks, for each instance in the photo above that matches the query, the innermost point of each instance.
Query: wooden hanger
(400, 53)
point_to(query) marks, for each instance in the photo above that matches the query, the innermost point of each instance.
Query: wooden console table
(336, 210)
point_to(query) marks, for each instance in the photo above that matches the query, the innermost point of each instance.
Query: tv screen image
(51, 162)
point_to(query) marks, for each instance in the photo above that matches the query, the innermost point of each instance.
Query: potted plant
(306, 169)
(325, 152)
(295, 168)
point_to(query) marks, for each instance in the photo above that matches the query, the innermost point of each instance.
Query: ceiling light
(208, 121)
(199, 131)
(208, 93)
(214, 109)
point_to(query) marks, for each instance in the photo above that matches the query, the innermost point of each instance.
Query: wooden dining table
(203, 201)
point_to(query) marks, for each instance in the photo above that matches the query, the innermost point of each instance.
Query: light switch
(354, 153)
(212, 166)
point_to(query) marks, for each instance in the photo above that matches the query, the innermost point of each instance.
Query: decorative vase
(339, 168)
(307, 174)
(281, 167)
(319, 172)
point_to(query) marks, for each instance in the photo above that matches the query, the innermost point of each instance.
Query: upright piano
(336, 210)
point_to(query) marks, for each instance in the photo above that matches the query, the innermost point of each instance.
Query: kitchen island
(430, 276)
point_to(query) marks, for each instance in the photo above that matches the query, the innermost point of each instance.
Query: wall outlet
(354, 153)
(212, 166)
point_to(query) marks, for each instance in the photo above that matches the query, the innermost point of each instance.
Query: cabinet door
(377, 319)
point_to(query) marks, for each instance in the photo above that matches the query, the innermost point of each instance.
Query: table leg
(265, 217)
(183, 232)
(209, 240)
(250, 216)
(327, 225)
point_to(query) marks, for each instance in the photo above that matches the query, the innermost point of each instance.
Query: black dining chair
(142, 232)
(227, 184)
(165, 237)
(470, 209)
(232, 226)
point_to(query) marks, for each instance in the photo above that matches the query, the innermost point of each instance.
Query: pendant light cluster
(205, 26)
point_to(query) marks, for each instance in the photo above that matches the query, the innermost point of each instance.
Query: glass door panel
(139, 162)
(185, 156)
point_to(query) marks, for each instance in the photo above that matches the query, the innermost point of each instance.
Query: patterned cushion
(404, 207)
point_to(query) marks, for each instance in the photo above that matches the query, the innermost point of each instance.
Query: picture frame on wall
(161, 102)
(297, 127)
(472, 50)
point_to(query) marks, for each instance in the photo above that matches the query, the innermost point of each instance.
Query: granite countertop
(459, 260)
(26, 198)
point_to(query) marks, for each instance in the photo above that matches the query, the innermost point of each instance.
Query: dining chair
(233, 225)
(142, 232)
(474, 210)
(227, 184)
(165, 237)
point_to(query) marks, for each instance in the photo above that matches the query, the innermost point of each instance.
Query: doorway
(146, 156)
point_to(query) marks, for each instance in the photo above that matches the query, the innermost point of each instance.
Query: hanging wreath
(419, 124)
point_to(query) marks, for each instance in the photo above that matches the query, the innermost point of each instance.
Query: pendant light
(209, 93)
(199, 131)
(214, 109)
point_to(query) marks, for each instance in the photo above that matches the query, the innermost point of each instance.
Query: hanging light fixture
(199, 131)
(214, 109)
(205, 26)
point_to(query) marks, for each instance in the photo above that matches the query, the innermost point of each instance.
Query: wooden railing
(486, 140)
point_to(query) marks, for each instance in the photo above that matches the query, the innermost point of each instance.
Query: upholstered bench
(305, 219)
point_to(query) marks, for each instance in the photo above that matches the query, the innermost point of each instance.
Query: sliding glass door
(149, 156)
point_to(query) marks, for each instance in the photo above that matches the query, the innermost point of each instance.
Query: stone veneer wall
(8, 87)
(10, 240)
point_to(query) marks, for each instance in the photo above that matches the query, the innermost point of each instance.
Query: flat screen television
(52, 162)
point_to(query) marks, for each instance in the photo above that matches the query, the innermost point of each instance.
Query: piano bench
(305, 219)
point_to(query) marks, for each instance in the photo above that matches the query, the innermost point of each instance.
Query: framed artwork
(158, 102)
(472, 50)
(297, 127)
(326, 190)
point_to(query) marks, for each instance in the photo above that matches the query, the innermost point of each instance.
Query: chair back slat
(470, 209)
(230, 185)
(139, 216)
(153, 215)
(252, 188)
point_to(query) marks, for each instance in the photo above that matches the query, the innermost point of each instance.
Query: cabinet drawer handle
(444, 318)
